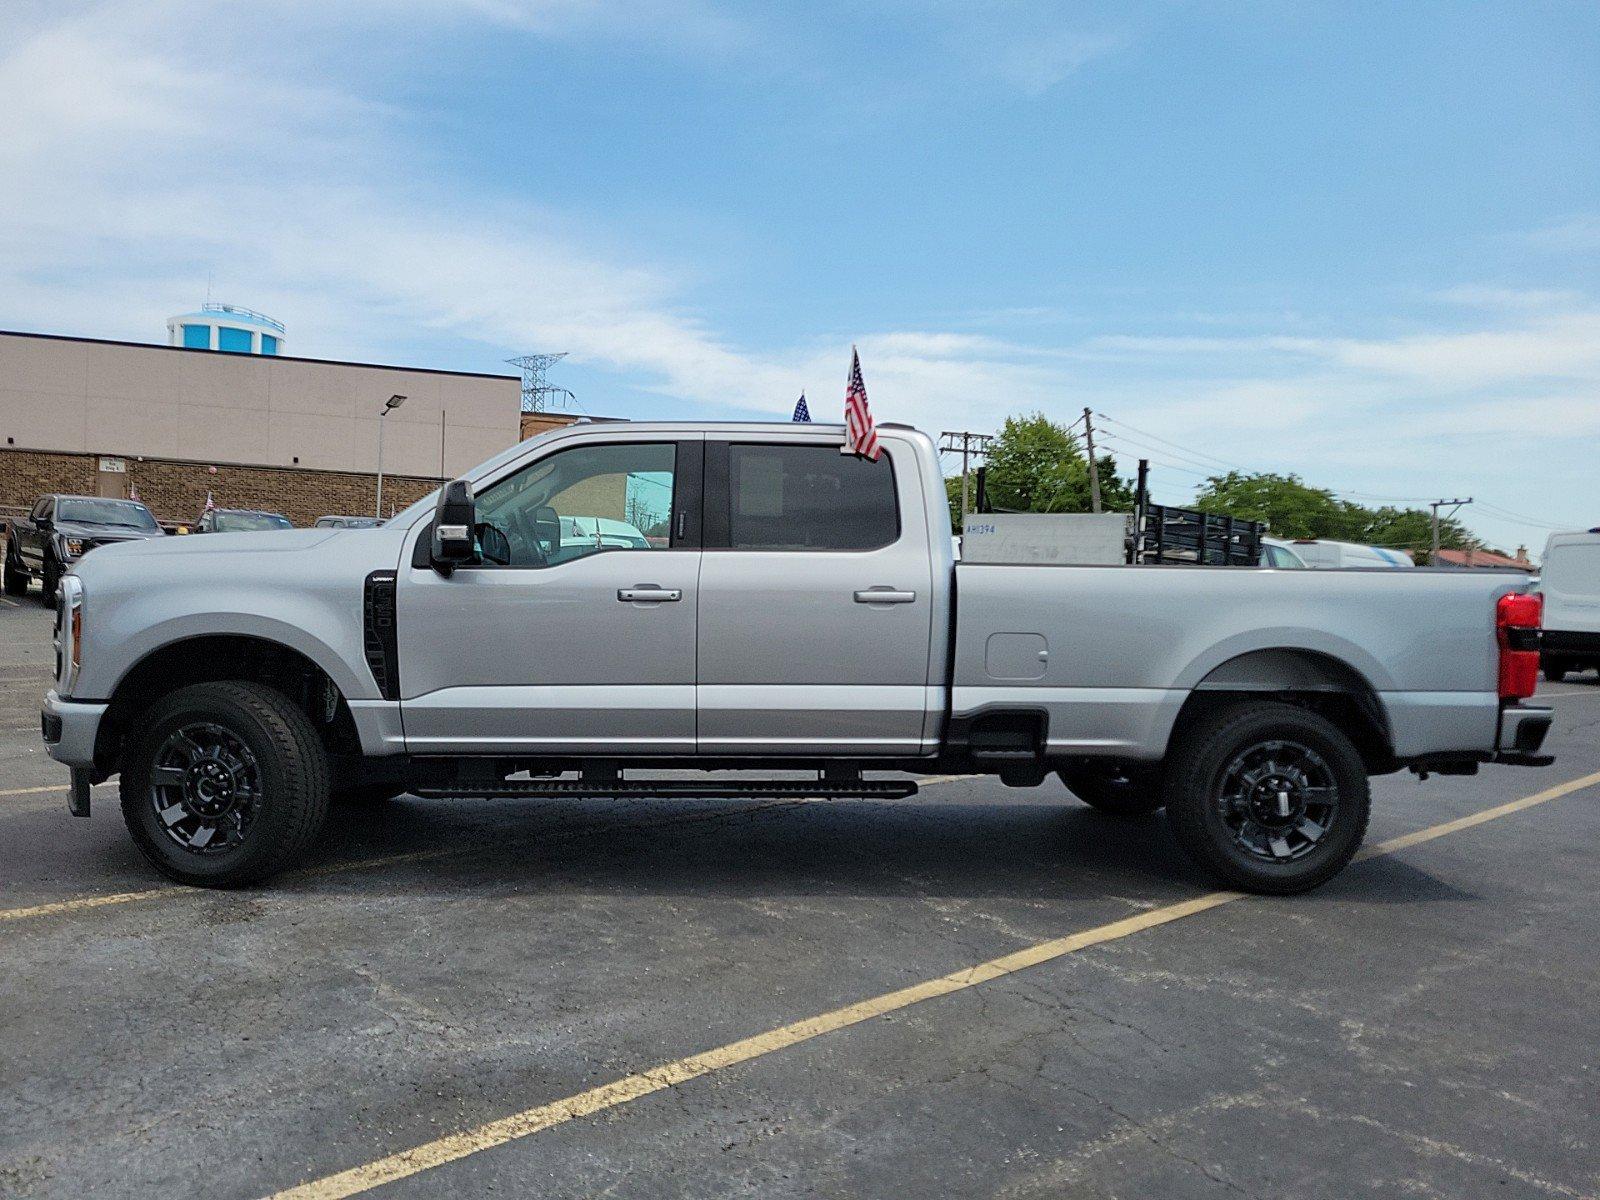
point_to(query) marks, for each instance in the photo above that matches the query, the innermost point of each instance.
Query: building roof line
(327, 362)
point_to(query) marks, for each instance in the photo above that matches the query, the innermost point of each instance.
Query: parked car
(348, 522)
(806, 613)
(241, 520)
(59, 530)
(582, 535)
(1281, 554)
(1322, 553)
(1570, 583)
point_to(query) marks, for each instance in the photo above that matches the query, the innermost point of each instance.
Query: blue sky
(1356, 241)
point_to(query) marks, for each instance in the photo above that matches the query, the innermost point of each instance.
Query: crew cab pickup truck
(59, 530)
(795, 608)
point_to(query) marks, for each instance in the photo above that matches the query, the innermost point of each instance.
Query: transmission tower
(538, 393)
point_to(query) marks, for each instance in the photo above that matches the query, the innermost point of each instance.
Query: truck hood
(100, 533)
(269, 542)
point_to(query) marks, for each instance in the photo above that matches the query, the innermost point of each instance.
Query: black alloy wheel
(224, 783)
(205, 788)
(1268, 796)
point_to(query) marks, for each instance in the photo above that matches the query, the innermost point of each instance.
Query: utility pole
(971, 445)
(1094, 471)
(1436, 506)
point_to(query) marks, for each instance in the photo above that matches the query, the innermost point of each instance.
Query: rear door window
(807, 497)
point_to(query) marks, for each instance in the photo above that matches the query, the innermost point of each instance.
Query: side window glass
(582, 501)
(809, 498)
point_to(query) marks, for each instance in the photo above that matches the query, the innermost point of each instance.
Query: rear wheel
(1269, 797)
(225, 784)
(1555, 670)
(16, 579)
(1115, 788)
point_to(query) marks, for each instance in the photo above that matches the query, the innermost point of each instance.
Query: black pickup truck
(59, 530)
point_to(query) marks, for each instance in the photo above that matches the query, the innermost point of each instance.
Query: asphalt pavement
(773, 999)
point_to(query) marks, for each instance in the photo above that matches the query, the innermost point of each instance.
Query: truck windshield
(107, 512)
(250, 522)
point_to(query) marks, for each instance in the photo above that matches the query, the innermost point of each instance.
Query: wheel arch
(1321, 682)
(211, 657)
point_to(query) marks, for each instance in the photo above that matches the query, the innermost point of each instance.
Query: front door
(580, 637)
(816, 601)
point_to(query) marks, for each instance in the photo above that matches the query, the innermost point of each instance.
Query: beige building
(296, 435)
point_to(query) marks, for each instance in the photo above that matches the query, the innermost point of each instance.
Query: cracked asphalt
(1422, 1026)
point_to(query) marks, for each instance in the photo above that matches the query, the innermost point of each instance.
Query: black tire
(1554, 670)
(16, 579)
(272, 744)
(49, 580)
(368, 793)
(1238, 811)
(1115, 788)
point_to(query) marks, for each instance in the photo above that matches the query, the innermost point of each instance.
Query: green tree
(1037, 465)
(1295, 509)
(1412, 529)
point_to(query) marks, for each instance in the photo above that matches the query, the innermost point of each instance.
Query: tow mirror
(454, 524)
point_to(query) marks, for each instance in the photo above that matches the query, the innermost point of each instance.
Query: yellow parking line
(634, 1087)
(83, 902)
(54, 787)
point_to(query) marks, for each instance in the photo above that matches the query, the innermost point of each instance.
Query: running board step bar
(798, 789)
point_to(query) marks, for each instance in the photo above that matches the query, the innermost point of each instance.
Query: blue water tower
(226, 327)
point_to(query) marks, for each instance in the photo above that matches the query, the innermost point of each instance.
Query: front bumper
(70, 728)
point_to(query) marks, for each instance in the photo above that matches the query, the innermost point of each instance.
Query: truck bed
(1110, 653)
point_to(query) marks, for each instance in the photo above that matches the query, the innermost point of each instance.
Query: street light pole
(389, 405)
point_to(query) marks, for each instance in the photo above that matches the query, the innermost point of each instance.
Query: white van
(1570, 583)
(1321, 553)
(1275, 552)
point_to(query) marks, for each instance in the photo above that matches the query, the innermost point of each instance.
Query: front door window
(582, 501)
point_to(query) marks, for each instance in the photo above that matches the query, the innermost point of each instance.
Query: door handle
(648, 593)
(885, 595)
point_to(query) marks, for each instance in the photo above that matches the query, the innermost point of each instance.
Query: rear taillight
(1516, 625)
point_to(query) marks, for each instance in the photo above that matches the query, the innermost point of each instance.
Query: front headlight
(73, 546)
(68, 633)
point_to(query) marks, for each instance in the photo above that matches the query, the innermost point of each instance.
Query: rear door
(815, 601)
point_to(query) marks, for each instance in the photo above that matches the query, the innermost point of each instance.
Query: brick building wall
(176, 491)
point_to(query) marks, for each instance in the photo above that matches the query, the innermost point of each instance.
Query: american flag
(211, 505)
(801, 412)
(860, 434)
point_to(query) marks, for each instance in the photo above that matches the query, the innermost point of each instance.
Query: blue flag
(801, 412)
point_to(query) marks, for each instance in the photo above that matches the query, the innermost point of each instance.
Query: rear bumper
(70, 729)
(1523, 727)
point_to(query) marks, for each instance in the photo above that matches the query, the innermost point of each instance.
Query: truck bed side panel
(1123, 647)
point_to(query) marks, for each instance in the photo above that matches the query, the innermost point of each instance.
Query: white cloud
(1576, 234)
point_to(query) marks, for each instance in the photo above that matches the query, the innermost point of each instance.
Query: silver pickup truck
(773, 606)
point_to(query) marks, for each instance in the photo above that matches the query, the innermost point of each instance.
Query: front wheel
(16, 579)
(49, 579)
(1269, 797)
(224, 784)
(1114, 788)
